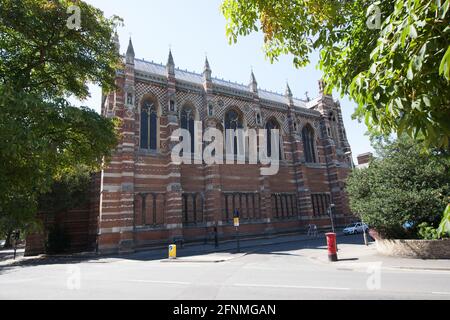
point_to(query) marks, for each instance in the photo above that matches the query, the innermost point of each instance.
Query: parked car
(354, 228)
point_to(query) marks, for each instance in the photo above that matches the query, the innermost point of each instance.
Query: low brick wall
(422, 249)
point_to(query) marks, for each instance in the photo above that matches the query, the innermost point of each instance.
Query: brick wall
(161, 197)
(141, 194)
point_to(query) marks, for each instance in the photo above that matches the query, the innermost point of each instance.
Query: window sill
(146, 152)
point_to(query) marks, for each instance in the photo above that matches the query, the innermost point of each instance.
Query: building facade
(146, 199)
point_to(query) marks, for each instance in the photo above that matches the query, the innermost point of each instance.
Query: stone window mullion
(194, 207)
(154, 208)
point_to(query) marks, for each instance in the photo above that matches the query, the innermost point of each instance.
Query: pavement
(198, 252)
(360, 256)
(207, 258)
(7, 255)
(294, 267)
(350, 255)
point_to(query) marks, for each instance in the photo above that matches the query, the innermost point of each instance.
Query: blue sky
(193, 28)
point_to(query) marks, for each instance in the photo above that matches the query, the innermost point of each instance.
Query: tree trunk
(8, 243)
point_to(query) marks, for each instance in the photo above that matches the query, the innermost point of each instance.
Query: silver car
(354, 228)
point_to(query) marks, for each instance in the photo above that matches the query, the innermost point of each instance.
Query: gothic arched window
(149, 125)
(187, 120)
(333, 132)
(233, 121)
(210, 109)
(271, 125)
(308, 144)
(258, 118)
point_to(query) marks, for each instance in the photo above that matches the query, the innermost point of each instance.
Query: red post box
(332, 248)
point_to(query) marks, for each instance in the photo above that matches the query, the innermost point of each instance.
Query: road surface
(281, 271)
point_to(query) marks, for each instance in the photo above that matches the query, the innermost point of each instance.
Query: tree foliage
(44, 139)
(444, 226)
(401, 187)
(398, 74)
(40, 54)
(72, 190)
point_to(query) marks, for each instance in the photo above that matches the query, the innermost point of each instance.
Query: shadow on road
(349, 259)
(282, 246)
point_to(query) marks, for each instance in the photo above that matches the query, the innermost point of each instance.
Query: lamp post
(349, 154)
(364, 234)
(330, 210)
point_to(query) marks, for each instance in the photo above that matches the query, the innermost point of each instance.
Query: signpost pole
(236, 225)
(238, 242)
(216, 237)
(16, 238)
(364, 233)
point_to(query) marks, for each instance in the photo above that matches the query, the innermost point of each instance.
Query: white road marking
(442, 293)
(246, 285)
(162, 282)
(287, 286)
(418, 270)
(18, 281)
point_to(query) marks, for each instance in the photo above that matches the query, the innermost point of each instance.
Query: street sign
(172, 251)
(236, 225)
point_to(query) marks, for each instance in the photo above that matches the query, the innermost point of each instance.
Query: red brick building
(147, 200)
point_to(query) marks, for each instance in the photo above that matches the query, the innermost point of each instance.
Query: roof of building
(367, 154)
(159, 69)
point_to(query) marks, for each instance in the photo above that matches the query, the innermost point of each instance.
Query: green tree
(41, 54)
(401, 186)
(398, 74)
(43, 137)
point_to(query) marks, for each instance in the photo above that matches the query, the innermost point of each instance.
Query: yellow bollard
(172, 251)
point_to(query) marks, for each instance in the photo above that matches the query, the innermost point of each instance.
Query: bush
(402, 187)
(427, 232)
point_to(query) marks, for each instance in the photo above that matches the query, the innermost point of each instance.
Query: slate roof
(196, 78)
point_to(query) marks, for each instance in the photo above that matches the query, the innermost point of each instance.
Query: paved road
(281, 271)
